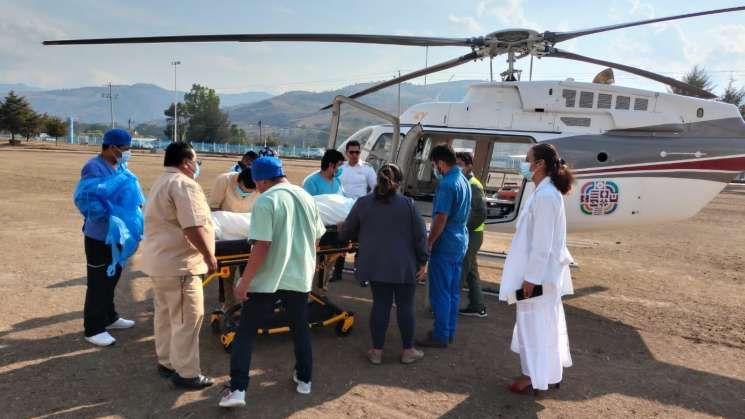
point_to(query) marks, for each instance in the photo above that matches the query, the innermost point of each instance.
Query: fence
(221, 148)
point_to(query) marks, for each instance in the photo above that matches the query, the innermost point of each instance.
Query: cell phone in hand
(537, 292)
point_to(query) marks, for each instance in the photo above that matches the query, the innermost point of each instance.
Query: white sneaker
(235, 398)
(101, 339)
(121, 323)
(302, 387)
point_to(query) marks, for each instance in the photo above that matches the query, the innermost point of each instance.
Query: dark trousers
(339, 267)
(383, 296)
(470, 271)
(254, 315)
(99, 309)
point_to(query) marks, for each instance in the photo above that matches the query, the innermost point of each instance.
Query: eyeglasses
(353, 152)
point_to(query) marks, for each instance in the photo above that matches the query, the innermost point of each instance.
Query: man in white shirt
(357, 177)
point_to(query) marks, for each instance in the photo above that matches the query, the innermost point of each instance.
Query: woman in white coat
(538, 256)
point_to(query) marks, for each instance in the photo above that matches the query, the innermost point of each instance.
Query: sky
(715, 42)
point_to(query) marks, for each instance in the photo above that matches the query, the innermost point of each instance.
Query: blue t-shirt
(96, 167)
(452, 197)
(316, 184)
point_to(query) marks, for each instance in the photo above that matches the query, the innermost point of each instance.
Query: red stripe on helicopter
(733, 164)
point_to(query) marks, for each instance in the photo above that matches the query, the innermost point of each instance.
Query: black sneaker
(473, 312)
(197, 383)
(364, 284)
(165, 372)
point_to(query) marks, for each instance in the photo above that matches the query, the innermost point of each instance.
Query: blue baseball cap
(117, 137)
(265, 168)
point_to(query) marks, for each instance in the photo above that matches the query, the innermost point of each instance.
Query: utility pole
(491, 69)
(260, 134)
(111, 98)
(175, 103)
(426, 65)
(399, 96)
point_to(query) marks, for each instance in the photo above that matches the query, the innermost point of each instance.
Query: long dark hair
(389, 180)
(561, 175)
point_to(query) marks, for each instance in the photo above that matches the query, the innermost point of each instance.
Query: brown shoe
(431, 342)
(411, 356)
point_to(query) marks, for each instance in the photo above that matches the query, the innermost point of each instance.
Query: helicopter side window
(570, 96)
(623, 102)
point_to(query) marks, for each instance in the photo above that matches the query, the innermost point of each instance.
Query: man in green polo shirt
(475, 225)
(286, 227)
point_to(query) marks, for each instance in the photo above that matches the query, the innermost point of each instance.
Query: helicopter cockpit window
(496, 163)
(380, 151)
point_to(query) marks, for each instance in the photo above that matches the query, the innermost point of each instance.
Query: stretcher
(234, 254)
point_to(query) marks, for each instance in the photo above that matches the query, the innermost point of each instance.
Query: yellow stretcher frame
(326, 256)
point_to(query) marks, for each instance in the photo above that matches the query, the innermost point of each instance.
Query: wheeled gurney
(321, 311)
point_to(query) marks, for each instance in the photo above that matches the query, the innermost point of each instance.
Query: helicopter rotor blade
(282, 37)
(555, 37)
(419, 73)
(677, 84)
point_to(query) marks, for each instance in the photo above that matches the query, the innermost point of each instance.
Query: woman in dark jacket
(392, 255)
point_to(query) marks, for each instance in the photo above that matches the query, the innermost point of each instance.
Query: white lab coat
(539, 255)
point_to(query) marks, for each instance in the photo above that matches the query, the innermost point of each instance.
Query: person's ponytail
(561, 175)
(389, 180)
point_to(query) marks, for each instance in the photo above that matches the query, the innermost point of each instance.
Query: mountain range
(293, 116)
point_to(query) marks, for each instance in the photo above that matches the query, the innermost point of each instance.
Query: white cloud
(730, 38)
(469, 23)
(510, 13)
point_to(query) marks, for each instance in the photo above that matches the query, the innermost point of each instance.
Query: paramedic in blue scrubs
(99, 314)
(448, 241)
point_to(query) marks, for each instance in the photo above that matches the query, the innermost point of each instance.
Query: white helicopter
(640, 156)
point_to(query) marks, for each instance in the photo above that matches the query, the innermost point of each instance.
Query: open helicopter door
(496, 162)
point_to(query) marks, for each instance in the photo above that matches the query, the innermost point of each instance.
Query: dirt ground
(657, 325)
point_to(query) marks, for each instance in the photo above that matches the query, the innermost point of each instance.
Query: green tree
(206, 121)
(697, 77)
(183, 116)
(13, 114)
(31, 124)
(238, 135)
(55, 127)
(735, 96)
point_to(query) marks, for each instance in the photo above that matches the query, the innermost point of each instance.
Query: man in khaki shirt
(178, 249)
(233, 192)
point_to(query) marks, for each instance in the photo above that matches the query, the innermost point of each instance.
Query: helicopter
(639, 156)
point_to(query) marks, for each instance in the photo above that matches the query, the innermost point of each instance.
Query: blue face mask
(241, 193)
(525, 171)
(197, 171)
(437, 173)
(338, 172)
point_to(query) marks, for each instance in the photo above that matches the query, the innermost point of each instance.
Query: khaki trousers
(179, 311)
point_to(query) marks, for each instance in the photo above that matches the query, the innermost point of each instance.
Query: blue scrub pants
(444, 293)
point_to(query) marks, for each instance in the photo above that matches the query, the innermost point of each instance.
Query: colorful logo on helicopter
(599, 197)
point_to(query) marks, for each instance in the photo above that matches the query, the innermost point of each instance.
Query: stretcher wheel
(216, 321)
(344, 328)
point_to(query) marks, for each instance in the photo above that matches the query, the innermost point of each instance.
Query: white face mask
(126, 155)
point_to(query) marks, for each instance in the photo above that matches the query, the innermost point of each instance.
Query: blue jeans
(444, 293)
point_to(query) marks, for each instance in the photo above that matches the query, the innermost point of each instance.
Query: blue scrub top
(96, 167)
(452, 197)
(316, 184)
